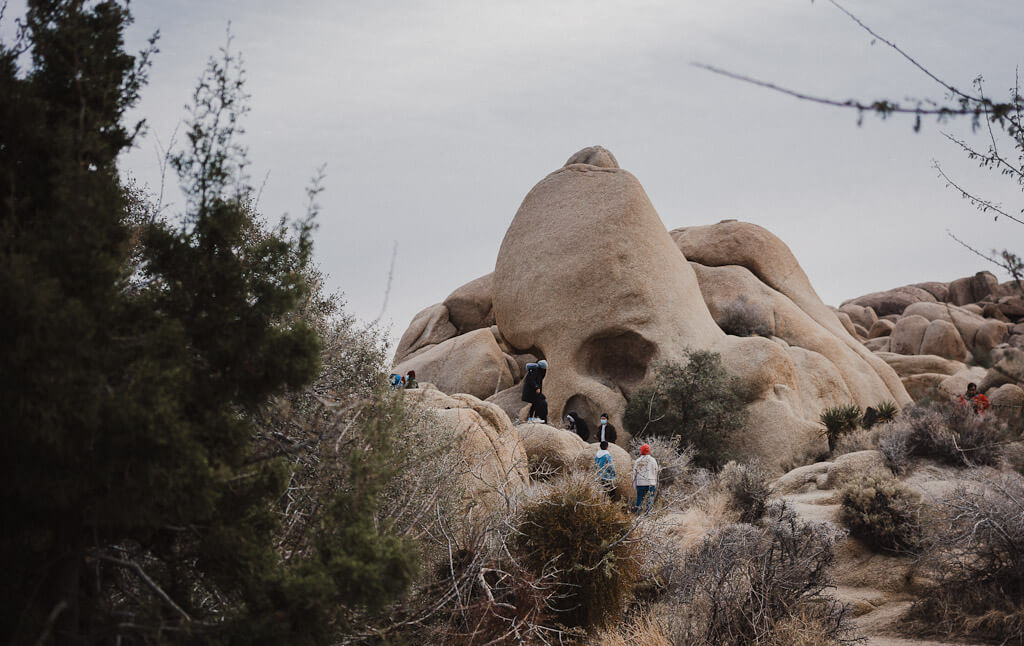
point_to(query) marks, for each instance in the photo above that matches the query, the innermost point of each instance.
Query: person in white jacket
(645, 478)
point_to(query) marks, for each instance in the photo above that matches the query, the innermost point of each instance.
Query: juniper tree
(134, 508)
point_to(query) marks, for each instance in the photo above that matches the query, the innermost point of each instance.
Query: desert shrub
(879, 511)
(892, 444)
(976, 558)
(886, 411)
(674, 463)
(952, 435)
(744, 584)
(748, 489)
(839, 421)
(571, 525)
(698, 402)
(740, 317)
(862, 439)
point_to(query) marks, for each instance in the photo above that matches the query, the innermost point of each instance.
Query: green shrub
(571, 525)
(886, 411)
(879, 511)
(839, 421)
(698, 402)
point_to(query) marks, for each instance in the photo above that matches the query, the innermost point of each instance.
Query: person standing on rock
(533, 391)
(606, 432)
(605, 470)
(978, 403)
(578, 425)
(410, 381)
(645, 478)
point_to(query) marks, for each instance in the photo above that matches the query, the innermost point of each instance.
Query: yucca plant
(886, 411)
(838, 421)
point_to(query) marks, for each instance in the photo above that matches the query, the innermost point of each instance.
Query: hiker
(578, 425)
(973, 400)
(410, 380)
(533, 391)
(870, 417)
(396, 381)
(645, 478)
(605, 470)
(606, 432)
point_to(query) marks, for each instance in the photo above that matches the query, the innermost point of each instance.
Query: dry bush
(745, 584)
(748, 488)
(593, 544)
(675, 465)
(640, 630)
(860, 440)
(892, 444)
(881, 512)
(949, 434)
(740, 317)
(976, 557)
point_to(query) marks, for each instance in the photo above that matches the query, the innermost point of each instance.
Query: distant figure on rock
(605, 470)
(870, 417)
(533, 391)
(972, 400)
(606, 432)
(396, 381)
(578, 425)
(410, 380)
(645, 478)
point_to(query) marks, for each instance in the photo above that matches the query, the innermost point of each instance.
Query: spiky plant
(838, 421)
(886, 411)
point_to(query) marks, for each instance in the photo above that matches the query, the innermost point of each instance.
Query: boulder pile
(589, 278)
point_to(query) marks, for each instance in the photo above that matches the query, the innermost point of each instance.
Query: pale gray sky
(435, 118)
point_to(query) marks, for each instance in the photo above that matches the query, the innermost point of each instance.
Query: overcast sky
(434, 120)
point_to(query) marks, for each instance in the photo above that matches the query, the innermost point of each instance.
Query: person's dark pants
(539, 408)
(609, 488)
(645, 496)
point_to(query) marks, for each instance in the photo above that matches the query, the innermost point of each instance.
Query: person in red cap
(645, 478)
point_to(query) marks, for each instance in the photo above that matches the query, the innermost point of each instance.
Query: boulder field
(589, 278)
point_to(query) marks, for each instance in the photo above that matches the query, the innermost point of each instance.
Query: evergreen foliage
(136, 353)
(698, 402)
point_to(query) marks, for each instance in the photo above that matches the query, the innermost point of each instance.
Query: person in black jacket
(605, 432)
(578, 425)
(533, 390)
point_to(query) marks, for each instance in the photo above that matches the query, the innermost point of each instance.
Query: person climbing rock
(605, 470)
(973, 400)
(606, 432)
(578, 425)
(533, 391)
(645, 478)
(410, 380)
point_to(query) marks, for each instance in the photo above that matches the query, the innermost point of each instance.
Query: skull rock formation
(589, 278)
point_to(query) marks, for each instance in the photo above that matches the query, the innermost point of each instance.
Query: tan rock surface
(892, 301)
(594, 156)
(1008, 403)
(511, 401)
(881, 328)
(429, 327)
(908, 334)
(926, 385)
(471, 306)
(850, 466)
(549, 450)
(471, 363)
(942, 339)
(906, 365)
(972, 289)
(860, 315)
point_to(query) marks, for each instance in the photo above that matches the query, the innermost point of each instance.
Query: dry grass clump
(863, 439)
(764, 584)
(976, 556)
(570, 525)
(881, 512)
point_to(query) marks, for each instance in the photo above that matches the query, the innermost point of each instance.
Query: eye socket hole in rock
(618, 358)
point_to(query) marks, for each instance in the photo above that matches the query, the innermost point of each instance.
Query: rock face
(893, 301)
(471, 363)
(428, 328)
(493, 464)
(588, 278)
(470, 307)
